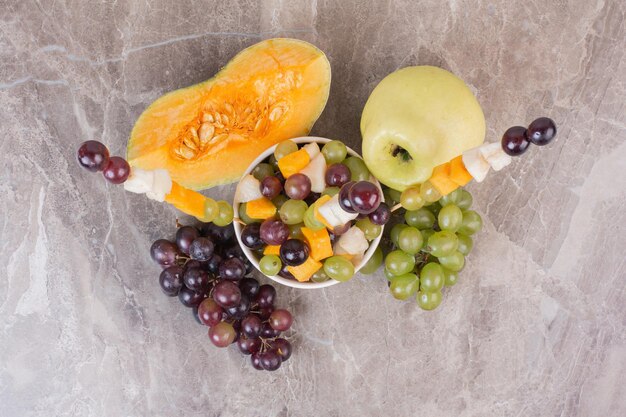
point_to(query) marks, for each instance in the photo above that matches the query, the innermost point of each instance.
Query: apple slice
(249, 189)
(495, 155)
(316, 171)
(312, 149)
(161, 186)
(139, 181)
(475, 164)
(353, 242)
(334, 215)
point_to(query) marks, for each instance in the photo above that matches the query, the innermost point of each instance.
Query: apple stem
(396, 207)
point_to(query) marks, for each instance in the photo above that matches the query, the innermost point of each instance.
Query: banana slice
(476, 164)
(334, 214)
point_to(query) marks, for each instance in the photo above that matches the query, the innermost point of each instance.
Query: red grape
(190, 298)
(117, 170)
(271, 187)
(381, 215)
(184, 236)
(164, 252)
(268, 332)
(514, 141)
(251, 326)
(298, 186)
(256, 361)
(284, 272)
(541, 131)
(251, 237)
(232, 269)
(274, 232)
(281, 320)
(209, 312)
(241, 310)
(270, 361)
(197, 280)
(171, 280)
(282, 347)
(219, 234)
(364, 197)
(222, 334)
(294, 252)
(266, 295)
(249, 346)
(93, 156)
(344, 200)
(337, 175)
(265, 312)
(227, 294)
(201, 249)
(213, 264)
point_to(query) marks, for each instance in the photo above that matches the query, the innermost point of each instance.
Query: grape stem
(238, 220)
(396, 207)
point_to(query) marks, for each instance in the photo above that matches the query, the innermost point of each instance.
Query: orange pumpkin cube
(458, 172)
(261, 208)
(272, 250)
(304, 271)
(440, 179)
(186, 200)
(294, 162)
(319, 243)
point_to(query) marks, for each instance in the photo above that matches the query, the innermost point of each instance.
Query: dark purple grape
(256, 361)
(227, 294)
(237, 327)
(280, 177)
(194, 264)
(381, 215)
(274, 232)
(312, 198)
(294, 252)
(201, 249)
(232, 269)
(171, 280)
(194, 312)
(284, 272)
(270, 361)
(266, 312)
(184, 236)
(234, 251)
(271, 187)
(251, 326)
(219, 234)
(250, 287)
(213, 264)
(282, 347)
(266, 296)
(190, 298)
(222, 334)
(250, 236)
(197, 280)
(209, 312)
(241, 310)
(117, 170)
(514, 141)
(541, 131)
(337, 175)
(93, 156)
(164, 252)
(364, 197)
(268, 332)
(344, 200)
(298, 186)
(281, 320)
(249, 346)
(249, 266)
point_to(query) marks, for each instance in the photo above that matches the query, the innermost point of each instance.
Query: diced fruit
(352, 242)
(316, 170)
(186, 200)
(209, 133)
(322, 200)
(294, 162)
(319, 243)
(441, 179)
(271, 250)
(475, 164)
(248, 189)
(458, 173)
(312, 149)
(261, 208)
(495, 156)
(333, 214)
(304, 271)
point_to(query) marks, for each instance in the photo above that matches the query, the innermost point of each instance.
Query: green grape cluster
(427, 250)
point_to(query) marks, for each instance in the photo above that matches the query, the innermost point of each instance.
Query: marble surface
(536, 326)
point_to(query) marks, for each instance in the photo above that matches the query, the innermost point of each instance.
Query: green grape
(450, 218)
(410, 240)
(434, 208)
(358, 169)
(211, 210)
(292, 211)
(320, 276)
(429, 193)
(370, 229)
(373, 263)
(388, 274)
(464, 200)
(411, 199)
(225, 216)
(465, 244)
(426, 234)
(262, 170)
(442, 243)
(451, 277)
(395, 232)
(270, 264)
(243, 215)
(285, 148)
(338, 268)
(279, 200)
(428, 300)
(334, 152)
(331, 191)
(399, 262)
(450, 198)
(310, 221)
(454, 262)
(404, 286)
(472, 223)
(392, 197)
(431, 277)
(273, 162)
(422, 218)
(295, 231)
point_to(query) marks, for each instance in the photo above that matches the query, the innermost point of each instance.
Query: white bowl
(250, 255)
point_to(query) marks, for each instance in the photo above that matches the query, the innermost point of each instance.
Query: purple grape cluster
(517, 139)
(206, 269)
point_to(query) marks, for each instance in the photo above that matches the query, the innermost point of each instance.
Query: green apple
(415, 119)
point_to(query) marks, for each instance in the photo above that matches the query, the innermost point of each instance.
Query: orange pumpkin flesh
(269, 92)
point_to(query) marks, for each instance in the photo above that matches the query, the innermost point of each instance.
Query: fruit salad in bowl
(308, 213)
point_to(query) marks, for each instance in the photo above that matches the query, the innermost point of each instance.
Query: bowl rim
(255, 262)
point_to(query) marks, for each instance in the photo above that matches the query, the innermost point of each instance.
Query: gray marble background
(536, 326)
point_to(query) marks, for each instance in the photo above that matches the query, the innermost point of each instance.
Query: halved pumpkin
(208, 134)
